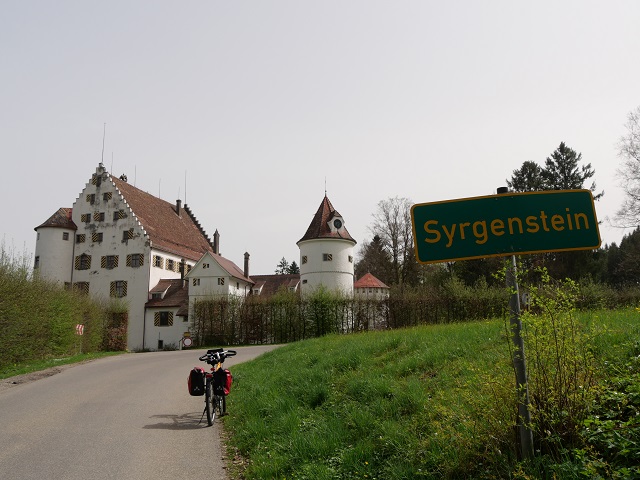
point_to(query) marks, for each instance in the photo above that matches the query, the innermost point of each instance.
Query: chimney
(178, 205)
(183, 266)
(246, 264)
(216, 243)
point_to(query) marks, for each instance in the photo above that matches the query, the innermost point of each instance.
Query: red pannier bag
(222, 381)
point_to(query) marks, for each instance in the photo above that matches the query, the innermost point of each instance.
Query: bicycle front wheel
(219, 403)
(208, 400)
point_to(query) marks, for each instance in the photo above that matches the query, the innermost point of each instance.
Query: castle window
(65, 235)
(106, 196)
(163, 319)
(205, 265)
(83, 262)
(135, 260)
(37, 263)
(327, 257)
(85, 217)
(91, 198)
(221, 281)
(81, 287)
(118, 289)
(350, 259)
(171, 264)
(117, 215)
(109, 262)
(81, 238)
(304, 281)
(158, 261)
(196, 282)
(98, 216)
(304, 259)
(96, 237)
(127, 235)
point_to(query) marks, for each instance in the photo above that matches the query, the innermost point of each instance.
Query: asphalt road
(122, 417)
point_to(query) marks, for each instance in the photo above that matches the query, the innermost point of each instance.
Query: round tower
(54, 247)
(326, 253)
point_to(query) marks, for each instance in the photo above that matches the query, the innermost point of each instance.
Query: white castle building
(326, 253)
(119, 242)
(122, 243)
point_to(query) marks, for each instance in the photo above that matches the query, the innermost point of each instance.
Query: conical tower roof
(60, 219)
(320, 225)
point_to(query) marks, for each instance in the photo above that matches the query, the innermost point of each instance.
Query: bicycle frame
(215, 402)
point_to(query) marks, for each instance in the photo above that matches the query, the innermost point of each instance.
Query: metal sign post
(519, 362)
(507, 224)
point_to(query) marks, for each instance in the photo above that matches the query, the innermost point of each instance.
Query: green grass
(426, 402)
(37, 365)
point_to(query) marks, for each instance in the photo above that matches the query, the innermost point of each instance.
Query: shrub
(561, 368)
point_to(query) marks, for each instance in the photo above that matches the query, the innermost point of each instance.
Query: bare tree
(629, 172)
(392, 223)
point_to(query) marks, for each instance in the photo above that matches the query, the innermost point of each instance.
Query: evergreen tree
(282, 267)
(375, 259)
(527, 179)
(293, 268)
(561, 171)
(627, 271)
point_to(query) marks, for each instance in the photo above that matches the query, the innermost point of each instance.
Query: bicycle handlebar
(217, 355)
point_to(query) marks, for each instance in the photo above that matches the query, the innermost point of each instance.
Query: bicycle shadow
(187, 421)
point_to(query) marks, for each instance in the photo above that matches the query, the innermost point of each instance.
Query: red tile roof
(369, 281)
(319, 227)
(177, 294)
(60, 219)
(272, 283)
(180, 234)
(231, 268)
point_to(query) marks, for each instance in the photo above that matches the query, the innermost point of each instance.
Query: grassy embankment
(426, 402)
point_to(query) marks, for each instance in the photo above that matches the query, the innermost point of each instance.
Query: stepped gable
(197, 224)
(167, 230)
(369, 281)
(60, 219)
(319, 227)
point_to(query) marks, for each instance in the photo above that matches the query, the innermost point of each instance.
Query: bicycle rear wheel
(208, 400)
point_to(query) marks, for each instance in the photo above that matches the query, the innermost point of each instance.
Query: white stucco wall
(171, 336)
(54, 254)
(208, 279)
(336, 275)
(371, 293)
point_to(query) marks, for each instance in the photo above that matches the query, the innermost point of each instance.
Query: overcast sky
(244, 109)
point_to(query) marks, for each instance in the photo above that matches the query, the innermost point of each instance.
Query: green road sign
(506, 224)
